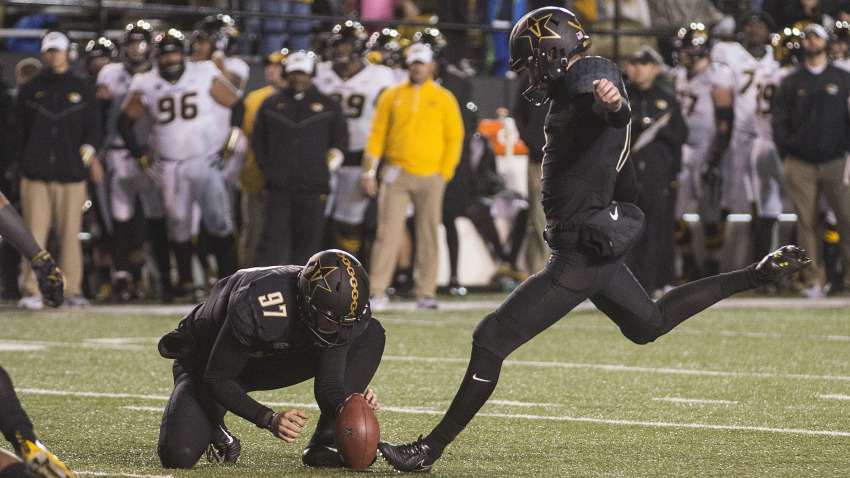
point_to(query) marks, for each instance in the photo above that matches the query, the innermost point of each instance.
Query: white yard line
(522, 404)
(694, 400)
(626, 368)
(425, 411)
(114, 473)
(835, 397)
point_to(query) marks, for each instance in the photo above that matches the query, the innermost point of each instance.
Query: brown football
(357, 432)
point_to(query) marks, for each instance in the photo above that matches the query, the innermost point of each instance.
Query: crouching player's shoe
(40, 460)
(786, 260)
(322, 451)
(416, 457)
(225, 447)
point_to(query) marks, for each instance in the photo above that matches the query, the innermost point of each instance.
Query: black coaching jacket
(58, 113)
(291, 139)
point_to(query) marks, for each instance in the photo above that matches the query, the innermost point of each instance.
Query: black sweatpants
(190, 417)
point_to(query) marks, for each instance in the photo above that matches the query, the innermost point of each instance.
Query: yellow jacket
(418, 129)
(251, 177)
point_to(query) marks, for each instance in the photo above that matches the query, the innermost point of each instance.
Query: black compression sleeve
(14, 230)
(125, 127)
(226, 363)
(329, 387)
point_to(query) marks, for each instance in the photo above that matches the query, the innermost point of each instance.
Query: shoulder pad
(260, 309)
(580, 77)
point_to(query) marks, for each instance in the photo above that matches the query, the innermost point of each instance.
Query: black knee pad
(176, 456)
(491, 336)
(16, 470)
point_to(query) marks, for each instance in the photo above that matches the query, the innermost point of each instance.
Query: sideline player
(355, 84)
(15, 424)
(587, 131)
(264, 329)
(185, 100)
(743, 60)
(769, 190)
(129, 181)
(706, 93)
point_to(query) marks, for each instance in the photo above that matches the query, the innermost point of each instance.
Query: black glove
(50, 282)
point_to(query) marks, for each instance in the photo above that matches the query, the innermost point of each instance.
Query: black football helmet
(694, 37)
(386, 47)
(432, 37)
(140, 32)
(333, 296)
(101, 48)
(544, 41)
(167, 42)
(350, 31)
(787, 45)
(220, 30)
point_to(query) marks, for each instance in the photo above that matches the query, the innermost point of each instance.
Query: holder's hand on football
(287, 425)
(372, 399)
(607, 94)
(49, 277)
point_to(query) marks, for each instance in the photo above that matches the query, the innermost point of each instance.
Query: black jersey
(586, 145)
(250, 316)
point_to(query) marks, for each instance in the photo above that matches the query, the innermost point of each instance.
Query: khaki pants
(536, 250)
(45, 203)
(806, 182)
(426, 194)
(253, 207)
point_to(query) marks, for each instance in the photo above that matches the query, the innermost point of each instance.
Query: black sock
(158, 236)
(478, 384)
(183, 258)
(689, 299)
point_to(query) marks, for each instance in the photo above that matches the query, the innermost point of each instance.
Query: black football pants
(570, 277)
(190, 417)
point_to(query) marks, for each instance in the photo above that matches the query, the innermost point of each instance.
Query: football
(357, 432)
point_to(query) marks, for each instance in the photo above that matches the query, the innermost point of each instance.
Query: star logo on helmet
(319, 278)
(537, 29)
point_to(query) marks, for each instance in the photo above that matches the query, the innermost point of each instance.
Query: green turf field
(734, 392)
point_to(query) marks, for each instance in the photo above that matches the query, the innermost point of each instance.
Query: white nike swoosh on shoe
(479, 379)
(614, 215)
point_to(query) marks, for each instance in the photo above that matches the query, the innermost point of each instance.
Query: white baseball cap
(54, 41)
(419, 52)
(817, 29)
(303, 61)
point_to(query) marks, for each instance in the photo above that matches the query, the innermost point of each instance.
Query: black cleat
(785, 260)
(224, 447)
(416, 457)
(321, 455)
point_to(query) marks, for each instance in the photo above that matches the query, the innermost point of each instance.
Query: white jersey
(694, 95)
(766, 81)
(237, 67)
(743, 67)
(843, 63)
(357, 96)
(186, 117)
(117, 79)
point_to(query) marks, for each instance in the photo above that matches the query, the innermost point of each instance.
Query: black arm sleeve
(329, 387)
(125, 128)
(618, 118)
(227, 360)
(14, 230)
